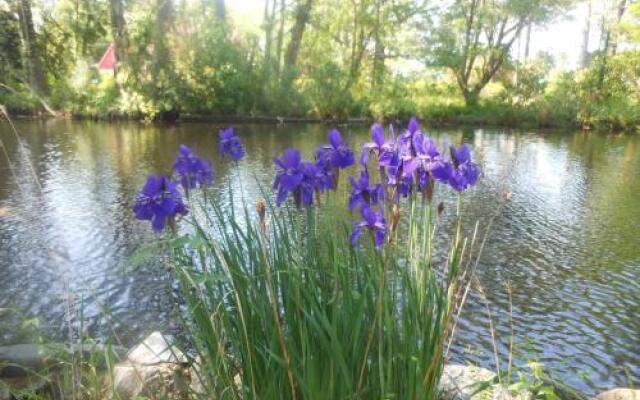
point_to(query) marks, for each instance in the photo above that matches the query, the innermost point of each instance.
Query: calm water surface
(567, 242)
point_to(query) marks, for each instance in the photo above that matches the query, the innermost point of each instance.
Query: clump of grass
(280, 307)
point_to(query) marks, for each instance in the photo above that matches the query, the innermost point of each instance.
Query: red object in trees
(108, 60)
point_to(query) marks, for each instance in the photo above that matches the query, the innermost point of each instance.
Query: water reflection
(566, 242)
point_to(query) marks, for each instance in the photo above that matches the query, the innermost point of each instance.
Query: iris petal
(377, 134)
(334, 138)
(413, 125)
(291, 158)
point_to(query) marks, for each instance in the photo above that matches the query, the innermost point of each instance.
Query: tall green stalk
(281, 306)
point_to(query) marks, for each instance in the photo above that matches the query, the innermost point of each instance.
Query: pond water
(567, 241)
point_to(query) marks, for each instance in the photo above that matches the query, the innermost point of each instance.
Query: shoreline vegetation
(458, 63)
(158, 368)
(491, 115)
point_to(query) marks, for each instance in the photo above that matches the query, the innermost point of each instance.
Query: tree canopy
(325, 58)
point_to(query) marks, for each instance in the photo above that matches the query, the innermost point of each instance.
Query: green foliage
(324, 90)
(560, 103)
(604, 96)
(397, 97)
(10, 61)
(534, 383)
(284, 307)
(84, 22)
(525, 82)
(475, 38)
(356, 59)
(631, 26)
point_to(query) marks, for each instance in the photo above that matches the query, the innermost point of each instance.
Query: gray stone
(153, 369)
(467, 382)
(29, 386)
(25, 356)
(460, 382)
(23, 359)
(197, 386)
(620, 394)
(502, 393)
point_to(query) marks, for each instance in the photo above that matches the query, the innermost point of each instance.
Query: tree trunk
(377, 72)
(605, 41)
(499, 47)
(119, 30)
(354, 42)
(359, 43)
(280, 39)
(268, 33)
(303, 11)
(471, 97)
(378, 65)
(221, 11)
(584, 58)
(164, 16)
(622, 6)
(36, 77)
(527, 42)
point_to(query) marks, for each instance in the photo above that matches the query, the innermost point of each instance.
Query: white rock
(462, 382)
(619, 394)
(459, 382)
(502, 393)
(153, 369)
(155, 349)
(197, 386)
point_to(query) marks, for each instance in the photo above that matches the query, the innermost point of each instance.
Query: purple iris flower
(324, 176)
(374, 221)
(404, 187)
(413, 125)
(289, 175)
(405, 140)
(363, 193)
(425, 152)
(465, 172)
(297, 177)
(423, 178)
(460, 155)
(379, 146)
(309, 184)
(337, 152)
(388, 149)
(375, 146)
(425, 147)
(192, 169)
(326, 168)
(441, 170)
(230, 144)
(394, 168)
(159, 201)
